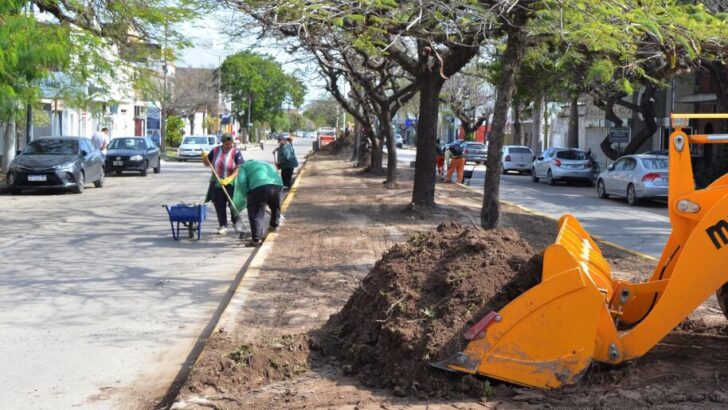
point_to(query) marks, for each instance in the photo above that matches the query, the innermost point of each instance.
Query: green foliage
(257, 81)
(322, 112)
(175, 128)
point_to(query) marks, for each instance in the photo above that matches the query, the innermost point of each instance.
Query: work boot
(222, 230)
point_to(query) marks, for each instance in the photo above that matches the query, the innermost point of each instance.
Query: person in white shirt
(101, 139)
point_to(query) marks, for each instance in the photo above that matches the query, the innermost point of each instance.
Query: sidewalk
(339, 223)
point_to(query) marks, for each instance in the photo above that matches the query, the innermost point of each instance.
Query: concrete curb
(224, 317)
(595, 237)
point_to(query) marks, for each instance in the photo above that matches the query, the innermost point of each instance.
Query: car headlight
(66, 167)
(136, 158)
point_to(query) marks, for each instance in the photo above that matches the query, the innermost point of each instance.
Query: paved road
(643, 228)
(100, 307)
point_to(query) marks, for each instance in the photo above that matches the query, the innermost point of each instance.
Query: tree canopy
(257, 81)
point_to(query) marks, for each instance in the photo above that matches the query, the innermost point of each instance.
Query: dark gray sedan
(57, 162)
(635, 177)
(133, 154)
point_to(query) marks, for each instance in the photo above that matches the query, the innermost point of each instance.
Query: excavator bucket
(578, 313)
(545, 337)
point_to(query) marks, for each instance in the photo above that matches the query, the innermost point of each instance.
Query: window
(654, 163)
(572, 155)
(629, 164)
(619, 165)
(52, 147)
(519, 150)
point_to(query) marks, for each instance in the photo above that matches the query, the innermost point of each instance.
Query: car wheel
(602, 190)
(80, 184)
(144, 170)
(504, 171)
(100, 182)
(550, 178)
(158, 168)
(632, 199)
(534, 178)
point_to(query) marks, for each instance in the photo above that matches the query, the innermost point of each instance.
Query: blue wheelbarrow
(190, 216)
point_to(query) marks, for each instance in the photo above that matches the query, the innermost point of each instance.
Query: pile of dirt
(415, 304)
(248, 365)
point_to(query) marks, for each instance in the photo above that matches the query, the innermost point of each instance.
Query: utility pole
(250, 106)
(29, 124)
(163, 104)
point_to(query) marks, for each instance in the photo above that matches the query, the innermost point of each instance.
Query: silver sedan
(635, 177)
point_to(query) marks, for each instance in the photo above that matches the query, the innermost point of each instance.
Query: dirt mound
(416, 302)
(248, 365)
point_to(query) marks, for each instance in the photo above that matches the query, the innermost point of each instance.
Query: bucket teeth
(457, 363)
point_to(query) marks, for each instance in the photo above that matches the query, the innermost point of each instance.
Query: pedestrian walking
(440, 158)
(225, 161)
(457, 163)
(286, 160)
(258, 185)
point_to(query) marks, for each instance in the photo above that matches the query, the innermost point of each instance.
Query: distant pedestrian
(440, 158)
(258, 185)
(457, 163)
(286, 160)
(225, 160)
(101, 140)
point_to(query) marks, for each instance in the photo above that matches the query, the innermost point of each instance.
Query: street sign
(619, 134)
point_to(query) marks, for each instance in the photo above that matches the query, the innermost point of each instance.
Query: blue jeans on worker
(258, 199)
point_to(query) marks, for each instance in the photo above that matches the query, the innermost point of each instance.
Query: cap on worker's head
(226, 137)
(281, 137)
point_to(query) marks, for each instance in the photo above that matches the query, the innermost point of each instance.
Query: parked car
(516, 158)
(193, 145)
(398, 140)
(57, 162)
(133, 154)
(563, 164)
(635, 177)
(475, 152)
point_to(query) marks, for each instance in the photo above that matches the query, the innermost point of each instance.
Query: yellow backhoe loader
(549, 335)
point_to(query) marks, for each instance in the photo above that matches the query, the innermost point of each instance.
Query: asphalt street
(101, 307)
(643, 228)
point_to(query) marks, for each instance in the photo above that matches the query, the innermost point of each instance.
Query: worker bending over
(258, 185)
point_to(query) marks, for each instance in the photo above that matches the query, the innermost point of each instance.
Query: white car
(516, 158)
(193, 145)
(398, 141)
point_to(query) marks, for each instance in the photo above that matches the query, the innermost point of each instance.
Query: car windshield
(52, 147)
(195, 140)
(127, 143)
(654, 163)
(519, 150)
(475, 146)
(571, 154)
(211, 140)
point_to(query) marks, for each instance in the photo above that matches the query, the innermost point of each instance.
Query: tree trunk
(386, 121)
(376, 163)
(517, 128)
(423, 192)
(8, 145)
(573, 138)
(537, 134)
(192, 124)
(512, 57)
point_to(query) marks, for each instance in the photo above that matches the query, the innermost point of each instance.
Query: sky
(211, 45)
